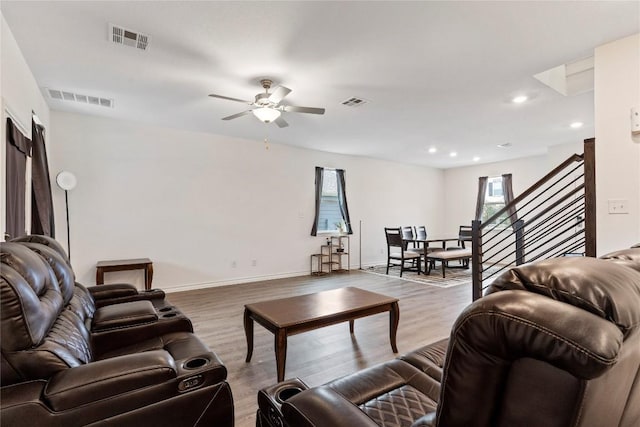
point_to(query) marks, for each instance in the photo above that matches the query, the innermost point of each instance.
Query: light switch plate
(618, 206)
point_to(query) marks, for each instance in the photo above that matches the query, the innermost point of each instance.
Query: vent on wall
(120, 35)
(354, 102)
(63, 95)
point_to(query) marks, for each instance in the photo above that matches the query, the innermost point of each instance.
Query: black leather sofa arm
(116, 290)
(107, 378)
(117, 293)
(124, 315)
(321, 406)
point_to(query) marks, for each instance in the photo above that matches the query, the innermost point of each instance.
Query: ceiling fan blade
(310, 110)
(278, 94)
(213, 95)
(282, 123)
(235, 116)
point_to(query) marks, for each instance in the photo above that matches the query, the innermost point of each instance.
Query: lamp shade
(266, 114)
(66, 180)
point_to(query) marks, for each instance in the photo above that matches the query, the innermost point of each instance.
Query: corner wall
(617, 90)
(461, 184)
(19, 96)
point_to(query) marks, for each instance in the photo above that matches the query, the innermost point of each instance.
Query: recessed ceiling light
(519, 99)
(453, 154)
(576, 125)
(433, 150)
(505, 145)
(476, 158)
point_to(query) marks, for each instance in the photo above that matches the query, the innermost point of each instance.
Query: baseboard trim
(240, 280)
(231, 282)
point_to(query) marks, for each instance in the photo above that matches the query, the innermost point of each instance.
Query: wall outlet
(254, 262)
(618, 207)
(234, 264)
(635, 121)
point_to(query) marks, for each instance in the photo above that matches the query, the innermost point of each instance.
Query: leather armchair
(103, 294)
(61, 368)
(554, 343)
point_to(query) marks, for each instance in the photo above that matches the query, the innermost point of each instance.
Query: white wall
(195, 202)
(617, 89)
(461, 184)
(19, 96)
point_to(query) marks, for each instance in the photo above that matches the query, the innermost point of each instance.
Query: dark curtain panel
(342, 200)
(41, 201)
(18, 148)
(507, 188)
(482, 190)
(319, 178)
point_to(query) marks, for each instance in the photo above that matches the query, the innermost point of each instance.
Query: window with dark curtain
(507, 183)
(318, 184)
(342, 201)
(18, 148)
(42, 221)
(482, 190)
(331, 210)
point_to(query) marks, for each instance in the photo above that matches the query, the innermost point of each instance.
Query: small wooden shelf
(331, 257)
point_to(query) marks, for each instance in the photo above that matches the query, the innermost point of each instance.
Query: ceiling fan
(267, 105)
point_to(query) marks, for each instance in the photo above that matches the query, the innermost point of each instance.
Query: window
(494, 200)
(332, 213)
(330, 217)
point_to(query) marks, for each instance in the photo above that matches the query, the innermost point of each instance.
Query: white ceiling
(434, 73)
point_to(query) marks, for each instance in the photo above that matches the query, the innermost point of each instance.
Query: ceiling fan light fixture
(266, 114)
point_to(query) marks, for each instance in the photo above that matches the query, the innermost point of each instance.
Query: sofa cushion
(604, 288)
(429, 359)
(30, 297)
(628, 257)
(394, 392)
(124, 315)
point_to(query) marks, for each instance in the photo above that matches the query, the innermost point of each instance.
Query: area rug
(455, 276)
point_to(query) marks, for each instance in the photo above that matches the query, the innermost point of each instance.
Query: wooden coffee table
(290, 316)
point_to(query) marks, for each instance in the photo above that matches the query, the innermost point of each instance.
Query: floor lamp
(67, 181)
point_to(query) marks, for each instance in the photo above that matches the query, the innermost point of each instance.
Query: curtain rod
(36, 119)
(16, 121)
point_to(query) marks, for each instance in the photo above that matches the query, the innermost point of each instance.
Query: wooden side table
(124, 265)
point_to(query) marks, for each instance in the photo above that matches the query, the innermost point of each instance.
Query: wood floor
(426, 314)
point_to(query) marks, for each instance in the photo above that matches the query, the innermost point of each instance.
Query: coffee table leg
(281, 352)
(248, 331)
(351, 326)
(394, 318)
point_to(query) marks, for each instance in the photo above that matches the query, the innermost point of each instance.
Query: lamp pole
(67, 181)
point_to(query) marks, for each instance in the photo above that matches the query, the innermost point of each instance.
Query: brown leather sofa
(103, 294)
(68, 362)
(554, 343)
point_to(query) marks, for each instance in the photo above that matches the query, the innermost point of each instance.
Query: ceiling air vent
(120, 35)
(63, 95)
(354, 102)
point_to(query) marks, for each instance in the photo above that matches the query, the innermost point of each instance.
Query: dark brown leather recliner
(554, 343)
(61, 368)
(103, 294)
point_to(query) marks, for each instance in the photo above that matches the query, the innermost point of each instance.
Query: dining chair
(397, 251)
(464, 235)
(408, 234)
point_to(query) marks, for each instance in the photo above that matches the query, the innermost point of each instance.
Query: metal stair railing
(552, 218)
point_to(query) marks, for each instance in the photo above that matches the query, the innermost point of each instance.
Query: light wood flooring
(426, 315)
